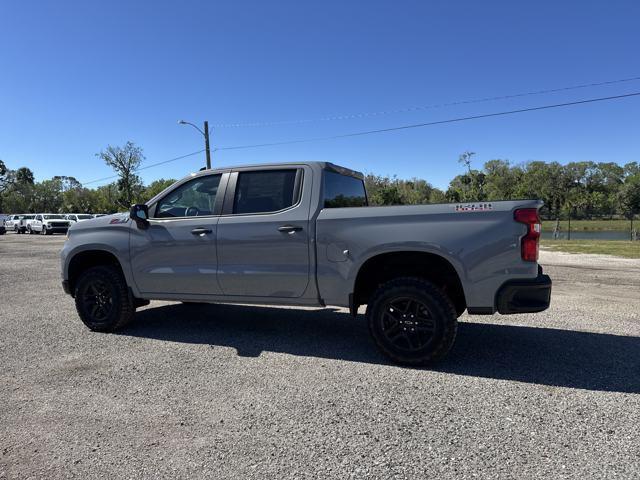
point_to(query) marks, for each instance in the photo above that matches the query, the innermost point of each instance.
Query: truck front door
(263, 234)
(177, 254)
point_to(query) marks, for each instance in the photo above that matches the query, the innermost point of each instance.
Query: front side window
(195, 198)
(343, 191)
(265, 191)
(53, 217)
(83, 217)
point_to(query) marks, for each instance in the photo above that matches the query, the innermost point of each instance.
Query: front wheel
(102, 299)
(411, 321)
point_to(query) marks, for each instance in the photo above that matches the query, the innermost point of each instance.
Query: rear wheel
(411, 321)
(102, 299)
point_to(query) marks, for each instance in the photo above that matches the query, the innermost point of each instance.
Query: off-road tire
(437, 316)
(121, 305)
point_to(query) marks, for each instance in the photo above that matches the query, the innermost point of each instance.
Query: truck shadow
(545, 356)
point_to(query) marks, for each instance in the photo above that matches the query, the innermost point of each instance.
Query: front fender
(113, 240)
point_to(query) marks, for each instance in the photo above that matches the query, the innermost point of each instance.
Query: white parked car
(78, 217)
(48, 223)
(96, 215)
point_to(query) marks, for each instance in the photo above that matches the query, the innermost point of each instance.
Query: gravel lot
(258, 392)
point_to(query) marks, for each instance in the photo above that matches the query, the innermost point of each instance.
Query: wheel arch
(382, 267)
(85, 259)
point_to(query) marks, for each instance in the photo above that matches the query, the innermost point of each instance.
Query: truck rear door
(263, 234)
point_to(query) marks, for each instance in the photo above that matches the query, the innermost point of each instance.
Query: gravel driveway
(260, 392)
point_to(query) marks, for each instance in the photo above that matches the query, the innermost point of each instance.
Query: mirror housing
(139, 213)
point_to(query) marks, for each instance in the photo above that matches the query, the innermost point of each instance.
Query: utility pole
(206, 144)
(205, 133)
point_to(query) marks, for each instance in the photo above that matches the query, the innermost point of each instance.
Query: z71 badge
(473, 207)
(118, 220)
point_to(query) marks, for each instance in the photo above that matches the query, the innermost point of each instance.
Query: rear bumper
(525, 296)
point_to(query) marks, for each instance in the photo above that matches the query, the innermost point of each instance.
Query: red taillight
(529, 243)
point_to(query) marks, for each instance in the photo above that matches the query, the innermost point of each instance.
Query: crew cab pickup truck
(22, 224)
(49, 223)
(78, 217)
(11, 223)
(303, 234)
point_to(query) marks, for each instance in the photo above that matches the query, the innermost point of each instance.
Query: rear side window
(195, 198)
(265, 191)
(343, 191)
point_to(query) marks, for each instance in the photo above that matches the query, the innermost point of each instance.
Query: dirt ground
(232, 391)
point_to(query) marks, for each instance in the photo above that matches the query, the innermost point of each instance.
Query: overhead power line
(438, 122)
(146, 167)
(423, 107)
(390, 129)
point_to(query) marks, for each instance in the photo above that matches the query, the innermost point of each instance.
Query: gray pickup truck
(303, 234)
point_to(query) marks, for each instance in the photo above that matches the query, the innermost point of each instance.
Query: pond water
(589, 235)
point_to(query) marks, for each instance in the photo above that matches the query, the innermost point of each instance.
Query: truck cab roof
(317, 164)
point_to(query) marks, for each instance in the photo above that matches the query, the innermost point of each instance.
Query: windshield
(53, 217)
(84, 217)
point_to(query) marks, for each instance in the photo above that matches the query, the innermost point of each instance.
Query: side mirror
(139, 213)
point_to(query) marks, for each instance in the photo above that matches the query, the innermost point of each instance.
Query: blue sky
(76, 76)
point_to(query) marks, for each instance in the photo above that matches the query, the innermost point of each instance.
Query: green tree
(125, 161)
(547, 182)
(67, 183)
(47, 197)
(24, 176)
(156, 187)
(80, 200)
(107, 199)
(5, 177)
(629, 196)
(18, 198)
(501, 180)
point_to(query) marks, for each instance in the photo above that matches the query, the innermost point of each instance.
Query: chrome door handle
(200, 231)
(289, 228)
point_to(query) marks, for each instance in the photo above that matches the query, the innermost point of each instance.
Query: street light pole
(205, 133)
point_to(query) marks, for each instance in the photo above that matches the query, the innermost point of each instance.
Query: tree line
(19, 193)
(580, 189)
(583, 190)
